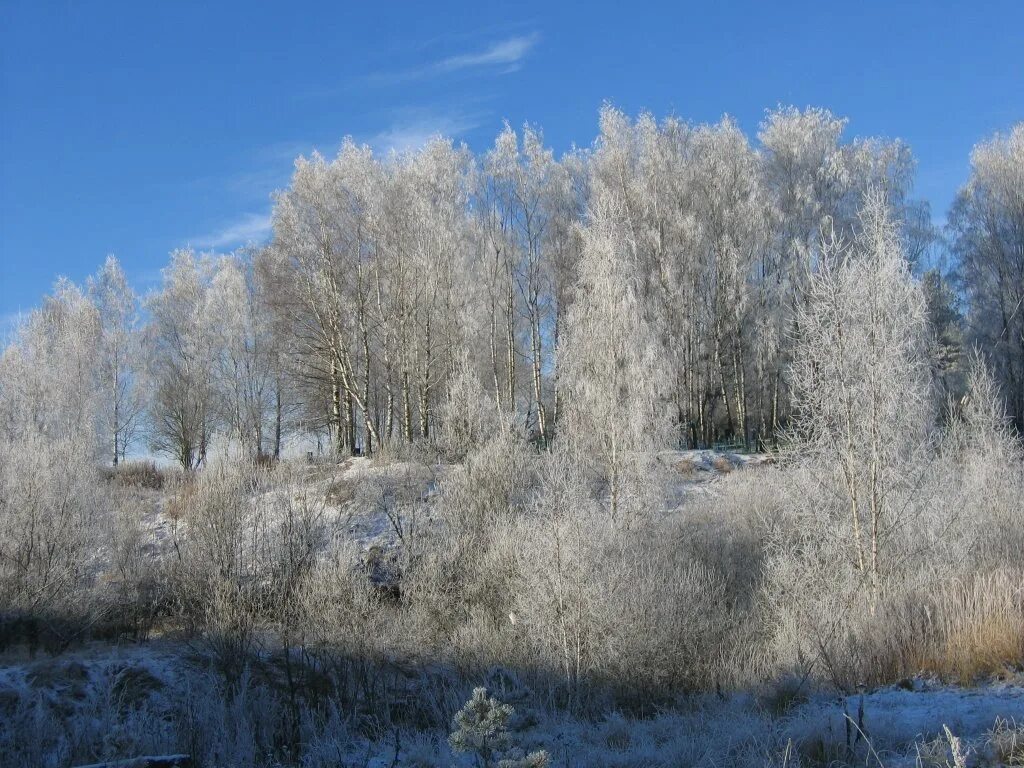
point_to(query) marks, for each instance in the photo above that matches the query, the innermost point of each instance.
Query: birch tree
(731, 240)
(181, 364)
(534, 195)
(245, 377)
(987, 232)
(814, 185)
(438, 175)
(314, 239)
(120, 355)
(53, 382)
(616, 415)
(496, 209)
(861, 374)
(643, 172)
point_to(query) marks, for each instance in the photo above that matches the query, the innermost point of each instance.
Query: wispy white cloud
(411, 131)
(504, 53)
(250, 228)
(501, 56)
(249, 187)
(406, 129)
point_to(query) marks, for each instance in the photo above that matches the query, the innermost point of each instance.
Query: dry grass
(341, 492)
(1006, 743)
(182, 501)
(982, 626)
(687, 468)
(137, 474)
(963, 631)
(722, 465)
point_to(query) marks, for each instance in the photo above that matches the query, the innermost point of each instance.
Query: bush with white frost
(482, 729)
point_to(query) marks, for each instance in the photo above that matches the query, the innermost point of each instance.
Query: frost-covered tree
(496, 208)
(946, 324)
(369, 261)
(861, 376)
(643, 171)
(180, 371)
(814, 184)
(320, 236)
(438, 183)
(51, 396)
(731, 239)
(612, 373)
(987, 229)
(482, 729)
(243, 354)
(120, 356)
(527, 200)
(52, 381)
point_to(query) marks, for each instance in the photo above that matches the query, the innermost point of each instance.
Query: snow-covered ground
(898, 722)
(892, 727)
(359, 492)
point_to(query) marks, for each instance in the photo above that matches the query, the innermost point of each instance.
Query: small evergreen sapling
(481, 727)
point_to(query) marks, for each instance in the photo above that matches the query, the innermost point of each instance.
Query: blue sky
(135, 128)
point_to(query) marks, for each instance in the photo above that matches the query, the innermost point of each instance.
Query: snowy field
(70, 698)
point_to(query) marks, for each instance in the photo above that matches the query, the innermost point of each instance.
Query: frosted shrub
(983, 460)
(468, 417)
(464, 564)
(600, 604)
(488, 486)
(947, 596)
(481, 728)
(616, 608)
(725, 532)
(49, 504)
(346, 628)
(222, 560)
(396, 492)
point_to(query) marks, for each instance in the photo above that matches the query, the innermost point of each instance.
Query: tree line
(652, 288)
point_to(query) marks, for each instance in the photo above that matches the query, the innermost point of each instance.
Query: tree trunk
(722, 388)
(494, 358)
(336, 408)
(537, 380)
(350, 423)
(406, 407)
(425, 384)
(510, 339)
(277, 422)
